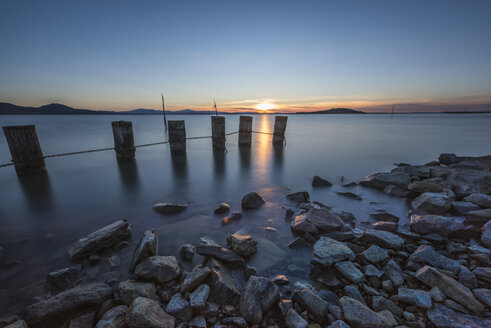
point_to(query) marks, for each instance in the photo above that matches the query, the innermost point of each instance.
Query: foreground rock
(317, 181)
(443, 317)
(479, 199)
(195, 278)
(99, 240)
(382, 180)
(242, 244)
(129, 290)
(161, 269)
(64, 278)
(383, 238)
(299, 197)
(252, 201)
(258, 296)
(486, 234)
(147, 246)
(479, 217)
(311, 302)
(114, 318)
(210, 248)
(147, 313)
(294, 320)
(431, 203)
(317, 219)
(361, 316)
(169, 208)
(443, 225)
(426, 254)
(48, 312)
(328, 251)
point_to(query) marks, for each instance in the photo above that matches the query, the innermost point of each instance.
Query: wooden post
(245, 130)
(279, 129)
(218, 132)
(25, 149)
(124, 144)
(177, 137)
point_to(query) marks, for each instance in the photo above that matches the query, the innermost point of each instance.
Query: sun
(265, 106)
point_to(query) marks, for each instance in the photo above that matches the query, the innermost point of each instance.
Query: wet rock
(431, 203)
(448, 158)
(302, 225)
(187, 252)
(299, 197)
(222, 208)
(161, 269)
(195, 278)
(146, 247)
(469, 181)
(258, 296)
(394, 273)
(479, 199)
(60, 305)
(483, 295)
(252, 201)
(317, 219)
(317, 181)
(224, 288)
(311, 302)
(353, 292)
(242, 244)
(483, 273)
(386, 226)
(382, 180)
(197, 322)
(94, 259)
(18, 324)
(169, 208)
(348, 270)
(236, 216)
(280, 279)
(83, 321)
(443, 317)
(374, 254)
(455, 306)
(129, 290)
(486, 234)
(479, 217)
(372, 271)
(99, 240)
(467, 278)
(450, 287)
(395, 191)
(198, 298)
(147, 313)
(426, 254)
(114, 318)
(420, 298)
(179, 308)
(5, 321)
(383, 238)
(429, 185)
(349, 195)
(443, 225)
(360, 316)
(380, 303)
(64, 278)
(464, 207)
(289, 214)
(235, 321)
(339, 324)
(294, 320)
(385, 216)
(210, 248)
(328, 251)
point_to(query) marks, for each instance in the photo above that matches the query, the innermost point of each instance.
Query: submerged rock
(235, 216)
(161, 269)
(147, 246)
(386, 226)
(147, 313)
(299, 197)
(169, 208)
(328, 251)
(222, 208)
(317, 181)
(258, 296)
(99, 240)
(242, 244)
(252, 201)
(349, 194)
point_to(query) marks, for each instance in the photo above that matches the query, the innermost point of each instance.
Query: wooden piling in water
(25, 149)
(279, 129)
(245, 130)
(218, 132)
(124, 143)
(177, 137)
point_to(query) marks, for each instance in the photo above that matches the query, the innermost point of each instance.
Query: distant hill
(334, 111)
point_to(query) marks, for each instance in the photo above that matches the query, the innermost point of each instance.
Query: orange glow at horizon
(265, 106)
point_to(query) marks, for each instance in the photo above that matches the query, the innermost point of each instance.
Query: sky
(281, 55)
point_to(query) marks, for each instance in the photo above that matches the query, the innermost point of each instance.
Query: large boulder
(199, 297)
(252, 201)
(179, 308)
(426, 254)
(210, 248)
(479, 199)
(129, 290)
(382, 180)
(224, 288)
(242, 244)
(479, 217)
(311, 302)
(328, 251)
(464, 207)
(114, 318)
(383, 238)
(429, 185)
(349, 271)
(432, 203)
(443, 317)
(100, 240)
(393, 271)
(359, 315)
(469, 181)
(146, 313)
(160, 269)
(147, 246)
(301, 224)
(324, 219)
(295, 320)
(258, 296)
(443, 225)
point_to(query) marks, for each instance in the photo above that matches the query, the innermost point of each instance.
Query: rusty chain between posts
(137, 146)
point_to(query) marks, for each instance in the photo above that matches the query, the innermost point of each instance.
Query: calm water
(41, 215)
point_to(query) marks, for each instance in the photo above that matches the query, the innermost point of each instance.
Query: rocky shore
(437, 274)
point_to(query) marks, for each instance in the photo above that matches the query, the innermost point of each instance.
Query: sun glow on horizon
(265, 106)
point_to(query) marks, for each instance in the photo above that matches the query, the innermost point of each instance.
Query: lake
(42, 214)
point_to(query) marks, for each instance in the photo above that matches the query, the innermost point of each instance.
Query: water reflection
(219, 164)
(37, 191)
(179, 163)
(278, 151)
(128, 171)
(245, 160)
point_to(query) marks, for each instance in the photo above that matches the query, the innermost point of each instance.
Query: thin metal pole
(215, 106)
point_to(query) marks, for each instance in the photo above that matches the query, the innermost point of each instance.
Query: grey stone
(349, 195)
(469, 181)
(317, 181)
(328, 251)
(301, 224)
(195, 278)
(467, 278)
(437, 294)
(385, 217)
(235, 321)
(311, 302)
(113, 318)
(394, 273)
(242, 244)
(483, 273)
(372, 271)
(354, 292)
(383, 238)
(258, 296)
(382, 180)
(64, 278)
(169, 208)
(426, 254)
(129, 290)
(222, 208)
(361, 316)
(224, 288)
(389, 317)
(18, 324)
(210, 248)
(464, 207)
(479, 217)
(339, 324)
(187, 252)
(294, 320)
(386, 226)
(299, 197)
(486, 234)
(420, 298)
(443, 317)
(179, 308)
(348, 270)
(197, 322)
(483, 295)
(430, 185)
(479, 199)
(147, 247)
(374, 254)
(252, 201)
(161, 269)
(144, 312)
(431, 203)
(198, 298)
(443, 225)
(380, 303)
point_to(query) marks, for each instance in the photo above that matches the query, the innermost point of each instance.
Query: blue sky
(294, 54)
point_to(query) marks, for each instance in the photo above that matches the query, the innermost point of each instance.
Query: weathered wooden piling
(177, 137)
(124, 143)
(279, 129)
(218, 132)
(25, 149)
(245, 130)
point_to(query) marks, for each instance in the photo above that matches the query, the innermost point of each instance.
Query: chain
(152, 144)
(268, 133)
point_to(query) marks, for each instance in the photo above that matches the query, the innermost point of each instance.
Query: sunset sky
(279, 55)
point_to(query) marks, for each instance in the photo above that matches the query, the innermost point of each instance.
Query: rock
(197, 322)
(479, 217)
(455, 306)
(222, 208)
(211, 310)
(479, 199)
(60, 305)
(443, 317)
(195, 278)
(252, 201)
(258, 296)
(169, 208)
(114, 261)
(353, 292)
(450, 287)
(385, 216)
(483, 295)
(198, 298)
(224, 288)
(483, 273)
(374, 254)
(147, 247)
(18, 324)
(416, 172)
(187, 252)
(394, 273)
(448, 158)
(242, 244)
(161, 269)
(311, 302)
(486, 234)
(431, 203)
(146, 313)
(348, 270)
(64, 278)
(339, 324)
(299, 197)
(210, 248)
(5, 321)
(420, 298)
(179, 308)
(387, 285)
(288, 214)
(324, 219)
(372, 271)
(382, 180)
(464, 207)
(235, 321)
(328, 251)
(94, 259)
(114, 318)
(280, 279)
(380, 303)
(395, 191)
(349, 195)
(426, 254)
(83, 321)
(235, 216)
(443, 225)
(383, 238)
(301, 225)
(317, 181)
(129, 290)
(437, 295)
(294, 320)
(361, 316)
(389, 317)
(430, 185)
(100, 240)
(469, 181)
(467, 278)
(386, 226)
